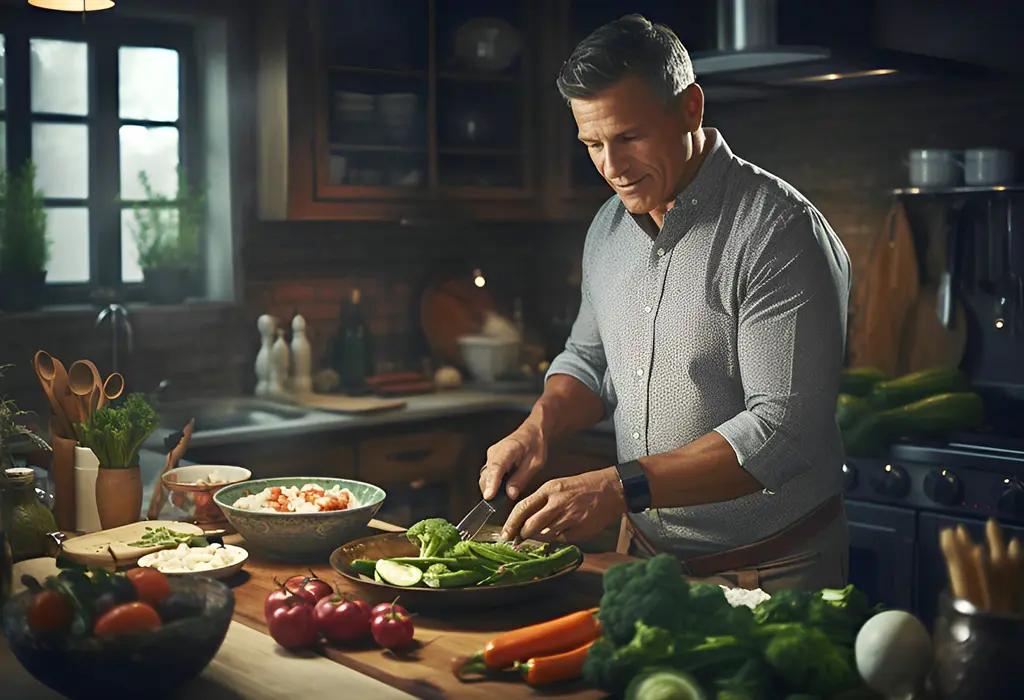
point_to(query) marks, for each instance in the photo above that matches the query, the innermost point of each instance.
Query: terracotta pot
(118, 496)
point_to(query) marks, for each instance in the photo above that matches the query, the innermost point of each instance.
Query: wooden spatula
(156, 502)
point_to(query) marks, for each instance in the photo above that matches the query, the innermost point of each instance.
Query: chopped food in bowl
(301, 518)
(213, 560)
(192, 488)
(311, 498)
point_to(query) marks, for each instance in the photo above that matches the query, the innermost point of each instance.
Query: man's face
(638, 145)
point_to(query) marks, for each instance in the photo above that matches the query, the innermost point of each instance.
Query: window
(93, 104)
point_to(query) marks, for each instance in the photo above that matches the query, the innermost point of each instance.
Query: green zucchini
(918, 385)
(858, 381)
(867, 437)
(850, 409)
(934, 416)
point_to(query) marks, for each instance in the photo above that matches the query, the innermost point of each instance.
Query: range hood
(750, 60)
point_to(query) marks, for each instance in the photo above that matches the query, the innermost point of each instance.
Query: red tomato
(151, 586)
(293, 626)
(315, 585)
(129, 618)
(385, 608)
(283, 598)
(392, 630)
(342, 620)
(49, 613)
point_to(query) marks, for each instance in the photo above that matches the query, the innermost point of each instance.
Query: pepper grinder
(279, 362)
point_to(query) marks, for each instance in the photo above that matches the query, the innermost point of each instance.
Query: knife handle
(502, 495)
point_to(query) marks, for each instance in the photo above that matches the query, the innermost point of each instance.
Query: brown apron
(740, 566)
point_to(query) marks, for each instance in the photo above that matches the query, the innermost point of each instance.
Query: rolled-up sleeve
(790, 339)
(584, 357)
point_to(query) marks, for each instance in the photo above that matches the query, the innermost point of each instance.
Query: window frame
(104, 34)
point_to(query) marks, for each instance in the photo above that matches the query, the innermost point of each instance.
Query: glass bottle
(6, 556)
(29, 521)
(353, 351)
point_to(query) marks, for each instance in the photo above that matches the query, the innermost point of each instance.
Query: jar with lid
(30, 522)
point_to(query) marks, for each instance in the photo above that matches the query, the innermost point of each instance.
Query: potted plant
(167, 233)
(115, 434)
(24, 247)
(11, 428)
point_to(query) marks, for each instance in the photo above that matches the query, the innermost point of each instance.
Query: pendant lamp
(73, 5)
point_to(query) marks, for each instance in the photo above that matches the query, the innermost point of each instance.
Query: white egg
(894, 653)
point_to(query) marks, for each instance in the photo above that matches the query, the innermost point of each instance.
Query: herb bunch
(115, 434)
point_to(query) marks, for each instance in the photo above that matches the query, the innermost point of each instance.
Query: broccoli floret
(839, 613)
(459, 549)
(711, 614)
(713, 658)
(437, 569)
(611, 669)
(434, 536)
(440, 576)
(807, 661)
(653, 592)
(753, 681)
(787, 605)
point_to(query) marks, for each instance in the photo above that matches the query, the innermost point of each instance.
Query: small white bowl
(149, 561)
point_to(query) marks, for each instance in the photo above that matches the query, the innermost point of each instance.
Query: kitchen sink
(225, 414)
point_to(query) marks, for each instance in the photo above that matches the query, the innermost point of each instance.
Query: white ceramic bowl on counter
(158, 561)
(487, 358)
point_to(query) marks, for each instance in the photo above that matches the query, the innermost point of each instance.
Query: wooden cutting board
(442, 636)
(111, 547)
(348, 404)
(886, 296)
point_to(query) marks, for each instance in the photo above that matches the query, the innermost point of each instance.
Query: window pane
(145, 224)
(148, 84)
(60, 77)
(68, 228)
(153, 151)
(61, 155)
(3, 72)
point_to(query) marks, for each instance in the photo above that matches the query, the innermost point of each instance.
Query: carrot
(540, 640)
(566, 666)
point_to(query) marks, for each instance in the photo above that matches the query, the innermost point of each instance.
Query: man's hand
(525, 451)
(572, 509)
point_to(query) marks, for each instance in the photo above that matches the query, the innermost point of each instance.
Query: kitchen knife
(470, 526)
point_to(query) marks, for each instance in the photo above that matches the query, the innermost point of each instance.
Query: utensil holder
(118, 496)
(62, 474)
(977, 652)
(87, 467)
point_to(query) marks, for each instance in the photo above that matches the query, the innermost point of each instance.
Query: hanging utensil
(948, 282)
(113, 387)
(85, 383)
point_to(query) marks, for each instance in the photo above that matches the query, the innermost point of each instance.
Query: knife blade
(469, 527)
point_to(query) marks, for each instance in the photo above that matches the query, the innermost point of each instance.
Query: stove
(897, 506)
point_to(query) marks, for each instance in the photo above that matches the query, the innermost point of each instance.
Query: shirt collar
(708, 179)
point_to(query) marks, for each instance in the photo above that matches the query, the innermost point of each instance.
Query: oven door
(931, 564)
(882, 544)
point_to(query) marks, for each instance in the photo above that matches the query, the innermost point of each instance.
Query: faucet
(161, 389)
(118, 316)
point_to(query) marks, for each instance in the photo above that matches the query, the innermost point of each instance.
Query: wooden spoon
(84, 379)
(156, 502)
(113, 387)
(46, 370)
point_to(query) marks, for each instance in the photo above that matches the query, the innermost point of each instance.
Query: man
(712, 328)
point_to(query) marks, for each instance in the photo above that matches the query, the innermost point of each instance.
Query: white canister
(934, 167)
(87, 468)
(988, 166)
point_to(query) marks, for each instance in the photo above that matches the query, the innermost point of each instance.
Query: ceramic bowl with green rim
(302, 537)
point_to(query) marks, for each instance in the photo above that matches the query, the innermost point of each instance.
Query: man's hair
(631, 46)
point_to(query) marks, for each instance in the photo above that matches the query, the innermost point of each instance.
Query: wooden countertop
(442, 636)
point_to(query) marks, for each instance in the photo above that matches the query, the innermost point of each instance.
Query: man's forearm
(704, 471)
(566, 406)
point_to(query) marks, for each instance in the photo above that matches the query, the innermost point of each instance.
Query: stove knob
(944, 487)
(1012, 501)
(893, 482)
(849, 477)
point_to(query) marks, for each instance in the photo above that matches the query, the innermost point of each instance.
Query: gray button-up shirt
(734, 320)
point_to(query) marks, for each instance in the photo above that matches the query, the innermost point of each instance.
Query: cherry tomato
(128, 618)
(50, 613)
(315, 585)
(385, 608)
(283, 598)
(151, 585)
(341, 620)
(293, 626)
(364, 605)
(392, 630)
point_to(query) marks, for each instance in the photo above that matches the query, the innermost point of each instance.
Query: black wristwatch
(635, 486)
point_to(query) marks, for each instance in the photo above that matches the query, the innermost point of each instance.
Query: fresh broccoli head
(438, 569)
(711, 613)
(787, 605)
(807, 661)
(434, 536)
(611, 669)
(652, 591)
(839, 613)
(753, 681)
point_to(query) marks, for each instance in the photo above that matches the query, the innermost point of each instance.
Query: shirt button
(636, 436)
(693, 201)
(647, 309)
(639, 373)
(661, 252)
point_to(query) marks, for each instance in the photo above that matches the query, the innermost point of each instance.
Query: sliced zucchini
(398, 574)
(664, 684)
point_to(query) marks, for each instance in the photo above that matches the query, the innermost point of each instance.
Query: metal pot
(934, 167)
(977, 653)
(988, 166)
